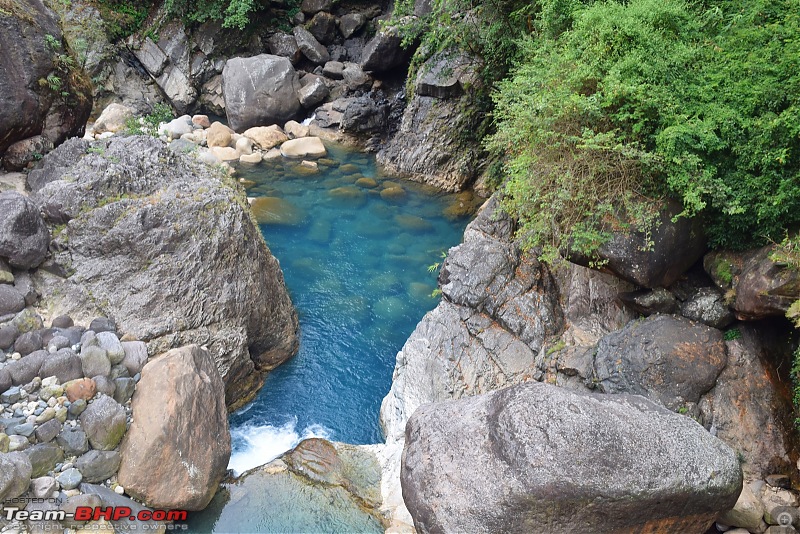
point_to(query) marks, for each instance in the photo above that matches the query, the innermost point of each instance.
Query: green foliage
(148, 124)
(613, 103)
(123, 18)
(232, 13)
(732, 334)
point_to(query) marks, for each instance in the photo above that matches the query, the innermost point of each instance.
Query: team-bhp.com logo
(88, 513)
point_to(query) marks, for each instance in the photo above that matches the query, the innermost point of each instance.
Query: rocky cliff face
(165, 246)
(506, 319)
(42, 92)
(432, 144)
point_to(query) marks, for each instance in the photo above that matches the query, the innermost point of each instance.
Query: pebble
(119, 490)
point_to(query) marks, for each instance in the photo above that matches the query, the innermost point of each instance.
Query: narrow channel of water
(355, 248)
(355, 252)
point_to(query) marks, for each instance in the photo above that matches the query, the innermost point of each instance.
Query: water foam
(255, 445)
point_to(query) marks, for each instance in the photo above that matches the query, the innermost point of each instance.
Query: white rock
(306, 147)
(112, 119)
(295, 130)
(225, 153)
(244, 145)
(253, 159)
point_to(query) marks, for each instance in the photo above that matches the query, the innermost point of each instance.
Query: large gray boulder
(180, 431)
(30, 39)
(259, 90)
(766, 287)
(104, 422)
(651, 254)
(166, 247)
(311, 48)
(538, 458)
(24, 237)
(668, 359)
(384, 51)
(15, 475)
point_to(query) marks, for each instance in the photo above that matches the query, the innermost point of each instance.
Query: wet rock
(539, 450)
(44, 457)
(274, 210)
(15, 475)
(284, 45)
(169, 436)
(708, 306)
(259, 90)
(364, 115)
(651, 256)
(311, 48)
(113, 118)
(24, 237)
(98, 466)
(104, 422)
(149, 240)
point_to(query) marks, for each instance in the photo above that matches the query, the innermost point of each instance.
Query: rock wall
(42, 92)
(432, 144)
(165, 246)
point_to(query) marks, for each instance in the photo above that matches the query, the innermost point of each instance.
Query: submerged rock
(274, 210)
(151, 235)
(535, 457)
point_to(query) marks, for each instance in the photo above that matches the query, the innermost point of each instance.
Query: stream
(359, 252)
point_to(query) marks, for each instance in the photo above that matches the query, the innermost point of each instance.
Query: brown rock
(219, 135)
(201, 120)
(766, 287)
(180, 431)
(266, 136)
(83, 388)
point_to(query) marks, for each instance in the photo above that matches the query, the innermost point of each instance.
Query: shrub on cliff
(618, 101)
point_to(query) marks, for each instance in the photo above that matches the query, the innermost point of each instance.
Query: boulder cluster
(693, 342)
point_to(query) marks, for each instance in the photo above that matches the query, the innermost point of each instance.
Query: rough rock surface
(668, 359)
(24, 237)
(383, 52)
(750, 407)
(311, 48)
(15, 475)
(166, 247)
(259, 90)
(553, 460)
(765, 288)
(180, 431)
(28, 108)
(653, 256)
(498, 308)
(113, 118)
(429, 146)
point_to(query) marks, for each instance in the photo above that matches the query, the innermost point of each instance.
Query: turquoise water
(356, 263)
